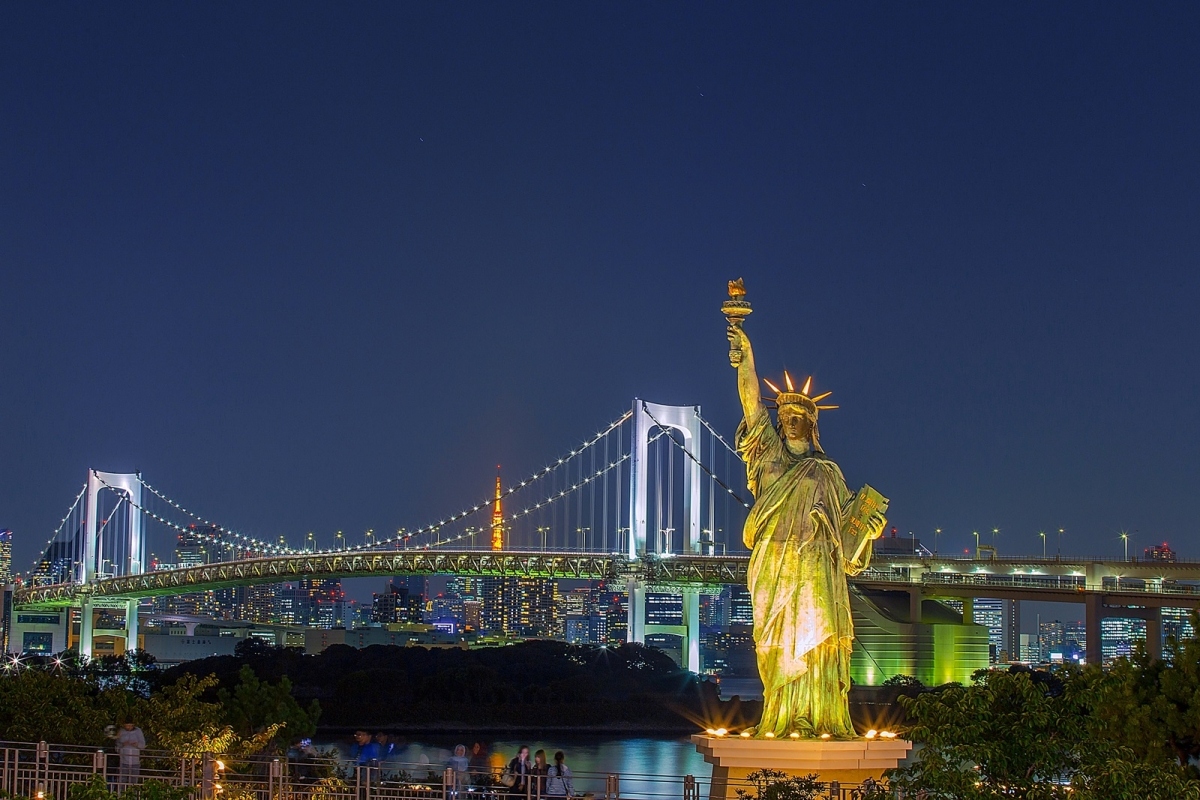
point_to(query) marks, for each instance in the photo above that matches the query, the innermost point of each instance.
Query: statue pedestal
(733, 758)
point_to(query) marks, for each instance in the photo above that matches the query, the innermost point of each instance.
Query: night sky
(323, 266)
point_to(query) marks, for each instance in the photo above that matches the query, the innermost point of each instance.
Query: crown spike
(774, 388)
(807, 386)
(821, 397)
(788, 380)
(825, 408)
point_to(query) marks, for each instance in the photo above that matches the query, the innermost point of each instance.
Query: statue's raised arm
(741, 354)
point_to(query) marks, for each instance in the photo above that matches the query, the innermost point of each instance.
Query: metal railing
(1075, 583)
(42, 771)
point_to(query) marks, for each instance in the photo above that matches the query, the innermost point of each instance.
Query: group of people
(524, 776)
(373, 750)
(536, 778)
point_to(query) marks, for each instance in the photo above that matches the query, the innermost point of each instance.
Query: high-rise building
(520, 607)
(1075, 636)
(262, 602)
(536, 607)
(6, 575)
(1002, 618)
(404, 601)
(712, 612)
(473, 615)
(616, 615)
(496, 595)
(466, 588)
(194, 547)
(1177, 623)
(1052, 637)
(390, 606)
(444, 609)
(1118, 635)
(1160, 552)
(741, 609)
(664, 609)
(326, 603)
(56, 563)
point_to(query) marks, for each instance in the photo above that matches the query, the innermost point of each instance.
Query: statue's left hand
(876, 523)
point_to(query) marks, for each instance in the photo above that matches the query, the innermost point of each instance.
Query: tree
(255, 706)
(904, 682)
(1028, 734)
(1152, 706)
(772, 784)
(38, 705)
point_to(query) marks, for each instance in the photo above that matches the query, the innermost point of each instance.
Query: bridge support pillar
(635, 611)
(915, 599)
(86, 620)
(1093, 611)
(691, 620)
(131, 625)
(968, 604)
(1154, 633)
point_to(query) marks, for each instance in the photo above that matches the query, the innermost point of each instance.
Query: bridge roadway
(1151, 584)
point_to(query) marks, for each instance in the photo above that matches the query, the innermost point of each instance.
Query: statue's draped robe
(799, 560)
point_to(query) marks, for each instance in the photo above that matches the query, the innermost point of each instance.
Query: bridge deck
(1052, 580)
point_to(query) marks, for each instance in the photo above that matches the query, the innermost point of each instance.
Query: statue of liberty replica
(806, 533)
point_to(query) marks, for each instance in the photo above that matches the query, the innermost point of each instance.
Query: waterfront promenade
(47, 771)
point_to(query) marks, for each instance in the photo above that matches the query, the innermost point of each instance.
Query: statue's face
(797, 429)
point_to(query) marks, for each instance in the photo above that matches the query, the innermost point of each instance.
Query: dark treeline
(533, 684)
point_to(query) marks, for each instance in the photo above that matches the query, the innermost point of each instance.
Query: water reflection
(649, 767)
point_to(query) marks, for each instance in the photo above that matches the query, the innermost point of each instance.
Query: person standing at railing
(516, 776)
(368, 750)
(459, 764)
(480, 766)
(539, 771)
(558, 778)
(130, 744)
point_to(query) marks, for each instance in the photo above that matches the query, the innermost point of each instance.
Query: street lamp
(1060, 533)
(912, 535)
(341, 542)
(1043, 535)
(936, 533)
(995, 533)
(582, 535)
(976, 533)
(1125, 539)
(665, 535)
(543, 530)
(311, 542)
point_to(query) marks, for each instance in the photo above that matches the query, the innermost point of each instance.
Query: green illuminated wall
(938, 650)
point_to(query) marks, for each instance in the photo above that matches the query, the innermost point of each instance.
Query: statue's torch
(736, 309)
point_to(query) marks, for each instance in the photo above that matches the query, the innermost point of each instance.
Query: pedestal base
(733, 758)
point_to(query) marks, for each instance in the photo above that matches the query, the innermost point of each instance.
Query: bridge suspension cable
(223, 531)
(716, 435)
(717, 480)
(258, 544)
(61, 523)
(567, 459)
(547, 501)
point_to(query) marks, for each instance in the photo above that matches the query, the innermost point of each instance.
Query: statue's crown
(790, 397)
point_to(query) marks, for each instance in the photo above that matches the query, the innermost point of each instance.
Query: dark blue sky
(321, 266)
